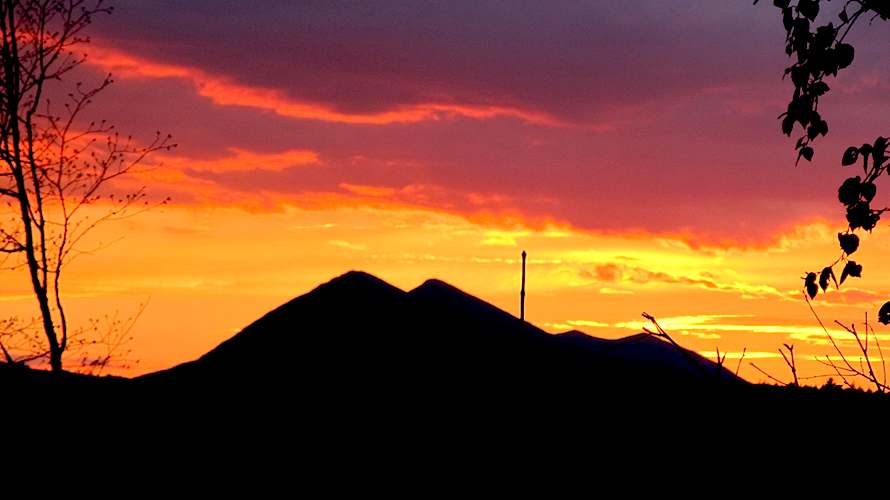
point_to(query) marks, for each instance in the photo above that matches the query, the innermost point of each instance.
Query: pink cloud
(226, 92)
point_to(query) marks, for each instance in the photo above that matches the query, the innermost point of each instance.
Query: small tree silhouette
(56, 168)
(847, 370)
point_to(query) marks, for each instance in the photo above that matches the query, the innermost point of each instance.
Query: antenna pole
(522, 290)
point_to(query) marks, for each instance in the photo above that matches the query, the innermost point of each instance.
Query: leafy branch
(818, 53)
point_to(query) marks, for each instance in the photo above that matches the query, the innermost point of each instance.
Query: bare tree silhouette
(57, 169)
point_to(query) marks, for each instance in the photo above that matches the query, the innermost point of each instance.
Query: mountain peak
(435, 284)
(440, 290)
(354, 275)
(356, 279)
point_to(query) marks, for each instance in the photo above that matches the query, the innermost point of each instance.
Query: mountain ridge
(357, 323)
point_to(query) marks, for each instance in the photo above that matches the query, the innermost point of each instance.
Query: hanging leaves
(818, 51)
(862, 216)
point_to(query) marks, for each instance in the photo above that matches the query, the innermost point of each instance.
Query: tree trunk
(55, 360)
(40, 290)
(12, 73)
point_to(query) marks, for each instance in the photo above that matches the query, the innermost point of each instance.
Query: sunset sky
(632, 148)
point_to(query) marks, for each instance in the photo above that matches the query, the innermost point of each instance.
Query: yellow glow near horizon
(208, 272)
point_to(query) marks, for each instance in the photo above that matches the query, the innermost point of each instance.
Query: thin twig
(768, 375)
(739, 365)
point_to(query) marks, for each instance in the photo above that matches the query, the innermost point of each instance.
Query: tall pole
(522, 290)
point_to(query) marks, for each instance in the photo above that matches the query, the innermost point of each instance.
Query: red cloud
(225, 92)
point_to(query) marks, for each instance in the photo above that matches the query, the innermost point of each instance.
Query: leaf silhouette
(865, 151)
(828, 272)
(868, 191)
(820, 88)
(806, 151)
(880, 147)
(861, 215)
(808, 9)
(850, 156)
(851, 269)
(848, 193)
(849, 242)
(788, 125)
(810, 284)
(884, 314)
(845, 54)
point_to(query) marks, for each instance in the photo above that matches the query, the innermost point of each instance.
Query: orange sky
(207, 272)
(661, 186)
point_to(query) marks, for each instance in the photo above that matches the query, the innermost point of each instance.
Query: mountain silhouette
(357, 333)
(643, 351)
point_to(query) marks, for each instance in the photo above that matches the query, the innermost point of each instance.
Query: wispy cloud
(623, 273)
(739, 355)
(572, 324)
(241, 160)
(347, 245)
(499, 238)
(702, 324)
